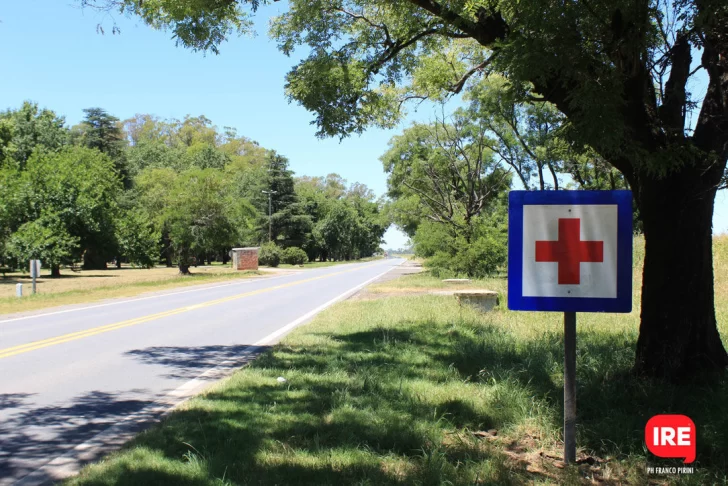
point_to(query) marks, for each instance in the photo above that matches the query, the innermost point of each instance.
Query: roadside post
(570, 251)
(34, 271)
(18, 290)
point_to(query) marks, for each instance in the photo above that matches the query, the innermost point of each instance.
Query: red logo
(671, 436)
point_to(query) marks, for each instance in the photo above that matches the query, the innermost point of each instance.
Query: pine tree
(289, 222)
(101, 131)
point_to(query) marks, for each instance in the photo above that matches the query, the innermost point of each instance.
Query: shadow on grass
(613, 405)
(396, 405)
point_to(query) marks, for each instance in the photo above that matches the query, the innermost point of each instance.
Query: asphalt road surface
(79, 382)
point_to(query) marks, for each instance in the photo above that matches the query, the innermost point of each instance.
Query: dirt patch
(547, 465)
(407, 268)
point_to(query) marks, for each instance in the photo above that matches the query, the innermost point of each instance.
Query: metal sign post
(34, 271)
(570, 251)
(569, 387)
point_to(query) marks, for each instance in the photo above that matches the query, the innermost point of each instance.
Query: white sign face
(570, 250)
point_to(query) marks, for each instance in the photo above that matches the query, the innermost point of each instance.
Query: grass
(93, 285)
(407, 391)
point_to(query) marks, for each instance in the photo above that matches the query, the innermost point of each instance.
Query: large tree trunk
(167, 252)
(93, 260)
(184, 269)
(55, 271)
(678, 330)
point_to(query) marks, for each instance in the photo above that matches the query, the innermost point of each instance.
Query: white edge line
(244, 281)
(69, 464)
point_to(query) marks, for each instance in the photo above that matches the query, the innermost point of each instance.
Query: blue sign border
(516, 300)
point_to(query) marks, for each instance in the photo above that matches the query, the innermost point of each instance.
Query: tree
(45, 239)
(78, 187)
(289, 223)
(449, 255)
(101, 131)
(448, 187)
(618, 71)
(445, 173)
(194, 209)
(12, 206)
(353, 212)
(28, 129)
(138, 238)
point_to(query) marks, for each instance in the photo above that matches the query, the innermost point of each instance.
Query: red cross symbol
(569, 251)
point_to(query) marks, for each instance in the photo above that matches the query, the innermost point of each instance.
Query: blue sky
(53, 55)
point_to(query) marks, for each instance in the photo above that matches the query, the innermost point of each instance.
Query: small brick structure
(245, 258)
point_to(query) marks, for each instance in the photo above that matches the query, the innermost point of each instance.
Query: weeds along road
(78, 383)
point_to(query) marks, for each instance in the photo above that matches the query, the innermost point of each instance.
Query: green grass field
(416, 390)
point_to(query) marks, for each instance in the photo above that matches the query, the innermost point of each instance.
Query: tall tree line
(149, 191)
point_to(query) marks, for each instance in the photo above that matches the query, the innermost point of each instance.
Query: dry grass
(75, 287)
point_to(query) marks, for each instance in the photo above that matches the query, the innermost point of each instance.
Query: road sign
(570, 251)
(34, 271)
(35, 268)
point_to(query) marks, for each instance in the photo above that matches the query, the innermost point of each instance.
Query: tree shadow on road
(32, 435)
(188, 362)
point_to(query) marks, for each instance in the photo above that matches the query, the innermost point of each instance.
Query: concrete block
(482, 300)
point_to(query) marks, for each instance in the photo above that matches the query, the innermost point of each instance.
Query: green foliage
(78, 186)
(449, 253)
(192, 190)
(192, 208)
(198, 24)
(447, 191)
(294, 256)
(138, 239)
(351, 212)
(289, 222)
(45, 239)
(101, 131)
(29, 129)
(269, 254)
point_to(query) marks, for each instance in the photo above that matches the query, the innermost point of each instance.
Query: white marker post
(34, 271)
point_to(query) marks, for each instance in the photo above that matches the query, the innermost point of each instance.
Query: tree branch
(671, 112)
(458, 87)
(489, 28)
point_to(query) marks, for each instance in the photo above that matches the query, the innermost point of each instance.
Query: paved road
(76, 383)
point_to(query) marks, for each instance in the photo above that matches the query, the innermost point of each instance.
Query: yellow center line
(73, 336)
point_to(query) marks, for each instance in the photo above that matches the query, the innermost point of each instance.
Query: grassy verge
(91, 292)
(416, 390)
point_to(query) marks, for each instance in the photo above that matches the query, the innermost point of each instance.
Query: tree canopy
(617, 70)
(145, 189)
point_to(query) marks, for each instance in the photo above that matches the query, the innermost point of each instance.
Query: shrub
(269, 255)
(294, 256)
(448, 254)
